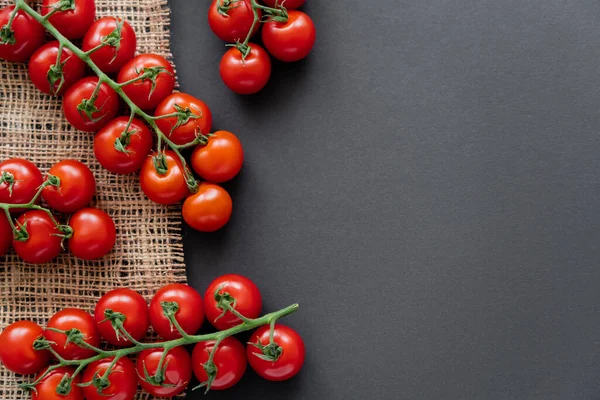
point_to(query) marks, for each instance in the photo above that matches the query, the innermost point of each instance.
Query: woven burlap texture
(148, 252)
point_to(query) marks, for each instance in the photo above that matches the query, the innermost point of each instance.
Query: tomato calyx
(88, 107)
(270, 352)
(113, 39)
(277, 14)
(101, 383)
(7, 35)
(124, 140)
(150, 74)
(225, 302)
(64, 5)
(9, 179)
(159, 378)
(20, 233)
(116, 320)
(74, 336)
(223, 6)
(170, 308)
(160, 163)
(55, 73)
(244, 48)
(211, 372)
(184, 115)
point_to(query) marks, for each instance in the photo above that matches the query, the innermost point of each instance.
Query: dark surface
(426, 186)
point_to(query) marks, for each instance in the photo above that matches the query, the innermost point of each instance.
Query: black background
(426, 186)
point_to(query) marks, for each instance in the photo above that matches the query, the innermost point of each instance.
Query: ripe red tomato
(177, 375)
(209, 209)
(94, 234)
(73, 23)
(129, 303)
(112, 56)
(135, 146)
(76, 189)
(248, 300)
(49, 78)
(288, 4)
(106, 104)
(236, 22)
(122, 380)
(292, 40)
(291, 359)
(230, 360)
(72, 318)
(19, 181)
(168, 187)
(245, 76)
(27, 33)
(189, 316)
(41, 244)
(16, 348)
(6, 234)
(220, 159)
(186, 131)
(46, 388)
(144, 93)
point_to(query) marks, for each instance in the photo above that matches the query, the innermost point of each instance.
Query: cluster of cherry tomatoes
(287, 34)
(230, 359)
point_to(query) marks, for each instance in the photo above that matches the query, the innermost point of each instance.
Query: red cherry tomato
(16, 348)
(230, 360)
(288, 4)
(209, 209)
(41, 244)
(292, 40)
(6, 234)
(132, 306)
(19, 181)
(242, 294)
(144, 93)
(72, 23)
(94, 234)
(122, 380)
(189, 315)
(76, 186)
(167, 186)
(245, 76)
(110, 58)
(186, 131)
(72, 318)
(221, 159)
(106, 104)
(51, 77)
(233, 22)
(288, 364)
(177, 375)
(46, 388)
(28, 36)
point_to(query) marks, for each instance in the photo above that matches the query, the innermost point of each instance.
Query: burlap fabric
(148, 252)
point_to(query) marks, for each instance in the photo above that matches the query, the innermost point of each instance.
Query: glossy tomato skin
(27, 179)
(177, 375)
(73, 318)
(16, 348)
(46, 388)
(73, 24)
(292, 40)
(209, 209)
(73, 68)
(29, 36)
(122, 378)
(94, 234)
(221, 159)
(107, 103)
(288, 4)
(230, 360)
(105, 57)
(76, 189)
(43, 244)
(289, 363)
(190, 314)
(167, 188)
(245, 76)
(236, 24)
(188, 131)
(129, 303)
(248, 300)
(6, 235)
(141, 92)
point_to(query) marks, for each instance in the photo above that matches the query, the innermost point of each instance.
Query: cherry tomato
(41, 243)
(168, 187)
(76, 186)
(72, 23)
(144, 93)
(110, 58)
(233, 24)
(292, 40)
(28, 36)
(16, 348)
(94, 234)
(6, 234)
(220, 159)
(186, 131)
(72, 318)
(289, 362)
(46, 388)
(122, 380)
(189, 315)
(245, 76)
(19, 181)
(230, 360)
(288, 4)
(132, 306)
(177, 375)
(106, 104)
(50, 78)
(243, 295)
(209, 209)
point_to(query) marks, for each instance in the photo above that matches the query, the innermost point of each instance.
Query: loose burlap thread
(148, 253)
